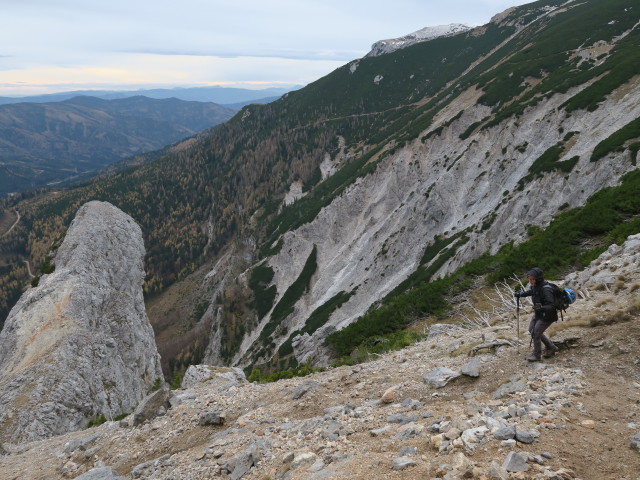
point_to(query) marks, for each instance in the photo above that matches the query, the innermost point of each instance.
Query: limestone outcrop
(79, 345)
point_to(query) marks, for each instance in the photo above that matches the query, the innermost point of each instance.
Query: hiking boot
(532, 358)
(550, 352)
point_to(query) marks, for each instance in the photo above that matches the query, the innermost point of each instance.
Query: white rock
(80, 344)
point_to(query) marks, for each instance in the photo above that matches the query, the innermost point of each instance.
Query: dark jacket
(544, 297)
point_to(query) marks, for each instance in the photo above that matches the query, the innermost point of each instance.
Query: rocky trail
(432, 410)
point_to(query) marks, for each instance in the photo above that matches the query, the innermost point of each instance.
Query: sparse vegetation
(286, 304)
(99, 420)
(616, 141)
(157, 384)
(301, 371)
(609, 212)
(261, 277)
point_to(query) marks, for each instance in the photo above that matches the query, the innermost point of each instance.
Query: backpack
(562, 297)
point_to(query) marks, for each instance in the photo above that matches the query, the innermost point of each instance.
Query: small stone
(406, 451)
(524, 436)
(461, 462)
(471, 368)
(635, 442)
(452, 434)
(505, 433)
(389, 395)
(303, 459)
(303, 389)
(588, 423)
(401, 463)
(401, 419)
(546, 455)
(515, 463)
(509, 388)
(211, 418)
(379, 431)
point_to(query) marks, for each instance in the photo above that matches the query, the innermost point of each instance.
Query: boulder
(515, 463)
(440, 376)
(151, 406)
(240, 464)
(471, 368)
(211, 418)
(100, 473)
(505, 433)
(79, 345)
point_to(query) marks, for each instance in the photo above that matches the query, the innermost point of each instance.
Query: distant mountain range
(235, 97)
(46, 143)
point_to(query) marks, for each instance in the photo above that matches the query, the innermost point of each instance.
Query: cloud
(49, 42)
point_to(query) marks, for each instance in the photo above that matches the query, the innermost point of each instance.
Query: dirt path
(31, 275)
(14, 224)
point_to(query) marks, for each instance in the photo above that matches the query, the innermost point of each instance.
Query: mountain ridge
(424, 34)
(224, 96)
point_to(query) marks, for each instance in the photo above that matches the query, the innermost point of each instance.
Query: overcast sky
(57, 45)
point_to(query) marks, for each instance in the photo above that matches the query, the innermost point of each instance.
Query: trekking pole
(518, 323)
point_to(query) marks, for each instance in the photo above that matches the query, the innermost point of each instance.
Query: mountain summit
(428, 33)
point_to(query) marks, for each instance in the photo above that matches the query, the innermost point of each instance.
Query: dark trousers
(536, 329)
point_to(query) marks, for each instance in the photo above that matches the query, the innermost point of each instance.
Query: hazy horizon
(67, 45)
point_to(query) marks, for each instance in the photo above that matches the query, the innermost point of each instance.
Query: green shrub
(261, 277)
(396, 314)
(317, 319)
(99, 420)
(157, 384)
(300, 371)
(378, 345)
(616, 141)
(47, 267)
(287, 303)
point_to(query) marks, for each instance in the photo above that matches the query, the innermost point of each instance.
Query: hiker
(545, 314)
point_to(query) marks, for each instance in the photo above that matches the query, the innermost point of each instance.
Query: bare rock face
(80, 344)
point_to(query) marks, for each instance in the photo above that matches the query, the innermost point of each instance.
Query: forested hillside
(47, 143)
